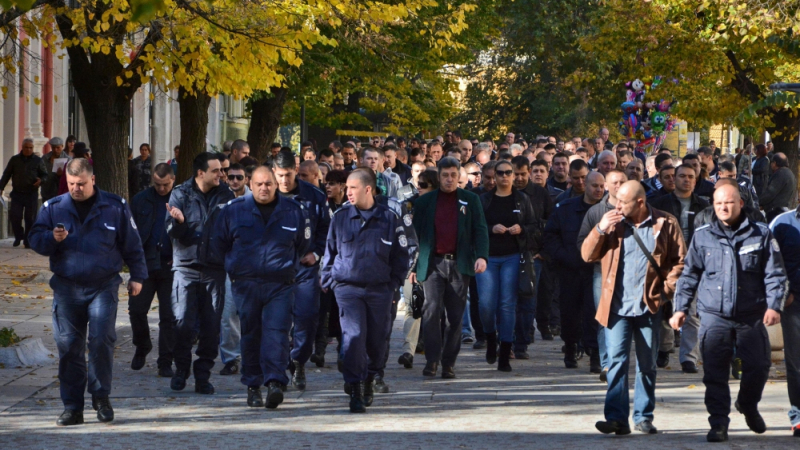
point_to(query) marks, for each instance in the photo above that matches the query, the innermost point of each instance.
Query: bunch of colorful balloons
(646, 121)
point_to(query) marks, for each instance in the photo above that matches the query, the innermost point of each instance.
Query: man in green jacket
(453, 246)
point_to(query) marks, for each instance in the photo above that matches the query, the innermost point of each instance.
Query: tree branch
(742, 83)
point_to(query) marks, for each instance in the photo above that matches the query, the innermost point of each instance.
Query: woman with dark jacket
(512, 230)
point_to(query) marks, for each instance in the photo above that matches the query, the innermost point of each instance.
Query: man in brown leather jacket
(632, 296)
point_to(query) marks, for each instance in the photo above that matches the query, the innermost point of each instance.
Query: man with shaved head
(736, 270)
(575, 275)
(624, 242)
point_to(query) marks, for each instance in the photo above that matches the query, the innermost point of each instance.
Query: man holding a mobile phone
(88, 235)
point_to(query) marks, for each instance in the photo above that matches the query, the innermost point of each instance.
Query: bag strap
(647, 253)
(649, 256)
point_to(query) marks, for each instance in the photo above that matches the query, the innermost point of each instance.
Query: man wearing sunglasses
(230, 334)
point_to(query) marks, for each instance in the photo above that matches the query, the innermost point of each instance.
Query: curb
(28, 352)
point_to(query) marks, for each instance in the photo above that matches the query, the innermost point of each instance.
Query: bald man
(575, 275)
(736, 270)
(624, 241)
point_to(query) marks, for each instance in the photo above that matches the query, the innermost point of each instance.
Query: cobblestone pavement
(538, 405)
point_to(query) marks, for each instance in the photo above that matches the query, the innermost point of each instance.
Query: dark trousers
(326, 305)
(445, 292)
(395, 299)
(75, 308)
(718, 336)
(265, 317)
(365, 317)
(577, 307)
(23, 206)
(157, 282)
(547, 302)
(197, 298)
(305, 311)
(474, 310)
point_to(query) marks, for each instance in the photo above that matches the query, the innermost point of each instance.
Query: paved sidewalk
(538, 405)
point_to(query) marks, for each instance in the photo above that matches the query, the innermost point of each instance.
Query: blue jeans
(75, 308)
(790, 321)
(497, 289)
(526, 313)
(230, 333)
(466, 320)
(619, 334)
(601, 334)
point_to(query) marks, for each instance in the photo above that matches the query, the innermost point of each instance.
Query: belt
(447, 256)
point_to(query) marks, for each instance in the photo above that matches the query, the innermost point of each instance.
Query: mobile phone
(60, 225)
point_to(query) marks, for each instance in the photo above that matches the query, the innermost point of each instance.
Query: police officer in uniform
(736, 269)
(149, 213)
(262, 238)
(197, 290)
(366, 260)
(306, 301)
(88, 235)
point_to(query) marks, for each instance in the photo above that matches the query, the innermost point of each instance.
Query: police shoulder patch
(402, 240)
(308, 232)
(133, 224)
(407, 220)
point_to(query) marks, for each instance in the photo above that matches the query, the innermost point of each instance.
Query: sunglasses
(226, 169)
(423, 185)
(236, 177)
(504, 173)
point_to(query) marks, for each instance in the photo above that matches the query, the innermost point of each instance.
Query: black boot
(299, 378)
(318, 357)
(103, 407)
(179, 380)
(491, 348)
(274, 394)
(594, 362)
(254, 399)
(369, 391)
(140, 357)
(571, 356)
(357, 398)
(380, 385)
(503, 364)
(70, 417)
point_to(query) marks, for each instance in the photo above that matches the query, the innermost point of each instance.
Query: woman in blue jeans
(512, 229)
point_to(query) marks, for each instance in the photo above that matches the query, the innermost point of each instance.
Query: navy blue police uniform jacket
(254, 250)
(365, 253)
(732, 277)
(94, 251)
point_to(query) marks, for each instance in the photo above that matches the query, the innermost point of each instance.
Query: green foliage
(8, 337)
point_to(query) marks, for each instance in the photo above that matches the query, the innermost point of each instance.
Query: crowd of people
(264, 263)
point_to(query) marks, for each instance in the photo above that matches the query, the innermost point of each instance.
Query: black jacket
(146, 209)
(196, 208)
(541, 202)
(760, 175)
(561, 235)
(671, 204)
(531, 236)
(23, 171)
(781, 191)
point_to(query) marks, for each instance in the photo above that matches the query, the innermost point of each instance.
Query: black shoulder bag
(666, 303)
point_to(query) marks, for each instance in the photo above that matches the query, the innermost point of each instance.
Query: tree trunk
(194, 125)
(265, 119)
(108, 113)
